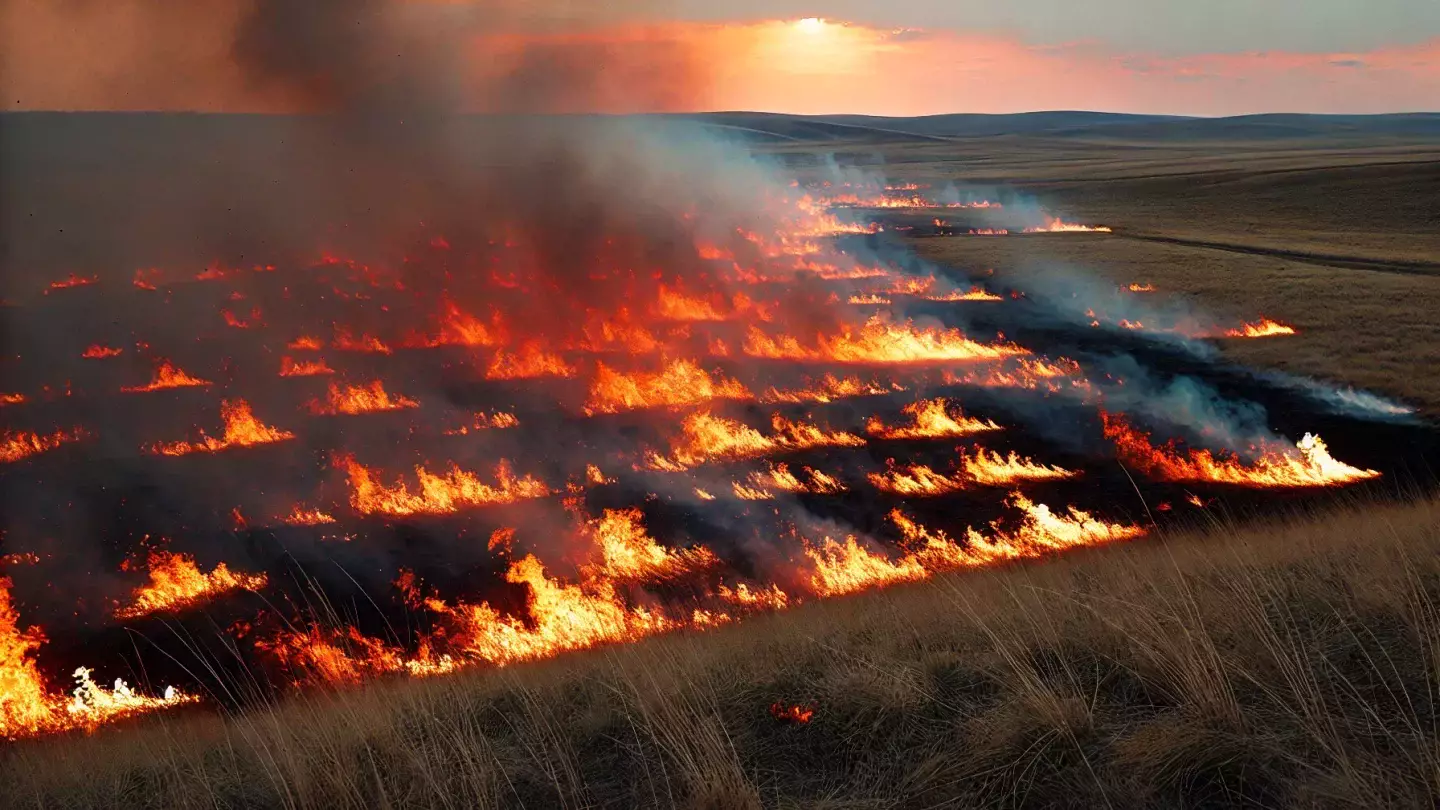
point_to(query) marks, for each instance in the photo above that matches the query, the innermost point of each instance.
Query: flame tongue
(1309, 464)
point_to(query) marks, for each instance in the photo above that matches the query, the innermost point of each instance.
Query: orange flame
(28, 707)
(932, 420)
(627, 551)
(345, 341)
(879, 342)
(530, 361)
(168, 376)
(306, 343)
(353, 399)
(11, 399)
(798, 715)
(706, 438)
(1056, 225)
(829, 389)
(1308, 464)
(438, 494)
(993, 469)
(870, 300)
(73, 281)
(17, 445)
(304, 368)
(176, 584)
(1262, 328)
(973, 294)
(682, 382)
(1141, 288)
(300, 516)
(99, 352)
(496, 421)
(242, 429)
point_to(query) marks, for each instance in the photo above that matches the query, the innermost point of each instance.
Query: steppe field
(1237, 658)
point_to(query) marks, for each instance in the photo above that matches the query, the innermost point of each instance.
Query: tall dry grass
(1291, 664)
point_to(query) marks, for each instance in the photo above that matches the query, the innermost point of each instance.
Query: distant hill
(1116, 126)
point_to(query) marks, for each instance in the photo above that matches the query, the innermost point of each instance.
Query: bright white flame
(810, 25)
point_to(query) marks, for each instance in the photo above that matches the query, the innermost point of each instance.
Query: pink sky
(117, 58)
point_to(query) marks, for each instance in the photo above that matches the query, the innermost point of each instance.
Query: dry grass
(1281, 665)
(1366, 220)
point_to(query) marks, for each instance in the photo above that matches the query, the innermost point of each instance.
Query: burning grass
(1307, 464)
(1134, 666)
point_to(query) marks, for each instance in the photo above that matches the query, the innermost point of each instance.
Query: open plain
(1260, 648)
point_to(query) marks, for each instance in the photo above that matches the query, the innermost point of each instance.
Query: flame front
(877, 342)
(1309, 464)
(176, 584)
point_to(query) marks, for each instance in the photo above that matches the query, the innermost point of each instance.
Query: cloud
(513, 56)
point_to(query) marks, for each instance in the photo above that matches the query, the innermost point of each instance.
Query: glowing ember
(480, 421)
(176, 584)
(879, 342)
(168, 376)
(351, 400)
(303, 368)
(797, 715)
(711, 438)
(1141, 288)
(73, 281)
(242, 429)
(300, 516)
(437, 494)
(682, 382)
(17, 445)
(11, 399)
(931, 420)
(1308, 464)
(99, 352)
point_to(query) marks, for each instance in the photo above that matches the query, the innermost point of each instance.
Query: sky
(899, 57)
